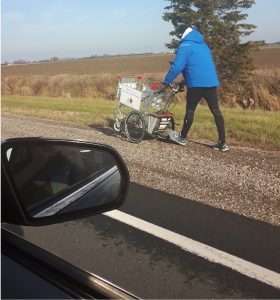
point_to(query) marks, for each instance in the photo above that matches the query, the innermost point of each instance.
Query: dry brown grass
(62, 85)
(66, 85)
(262, 90)
(98, 78)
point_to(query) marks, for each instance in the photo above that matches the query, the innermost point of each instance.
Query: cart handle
(177, 87)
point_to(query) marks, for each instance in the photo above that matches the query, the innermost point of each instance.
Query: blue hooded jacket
(194, 60)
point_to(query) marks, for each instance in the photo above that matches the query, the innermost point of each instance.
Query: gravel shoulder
(244, 181)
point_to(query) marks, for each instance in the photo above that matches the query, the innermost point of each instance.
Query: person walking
(194, 60)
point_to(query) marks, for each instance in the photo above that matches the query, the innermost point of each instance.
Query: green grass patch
(250, 128)
(80, 111)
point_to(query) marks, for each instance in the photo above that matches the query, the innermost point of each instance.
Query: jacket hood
(193, 35)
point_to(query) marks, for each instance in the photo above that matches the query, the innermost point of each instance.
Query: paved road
(155, 267)
(150, 267)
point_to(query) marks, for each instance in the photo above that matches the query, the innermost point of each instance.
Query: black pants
(194, 95)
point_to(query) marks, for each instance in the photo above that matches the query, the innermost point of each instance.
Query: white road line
(214, 255)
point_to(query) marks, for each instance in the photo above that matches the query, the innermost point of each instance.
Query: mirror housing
(47, 181)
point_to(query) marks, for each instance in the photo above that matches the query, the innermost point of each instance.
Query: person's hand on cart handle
(176, 86)
(163, 87)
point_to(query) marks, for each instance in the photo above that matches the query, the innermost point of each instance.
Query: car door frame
(74, 281)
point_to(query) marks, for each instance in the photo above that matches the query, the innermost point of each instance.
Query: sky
(41, 29)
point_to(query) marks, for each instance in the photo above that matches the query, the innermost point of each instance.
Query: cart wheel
(134, 127)
(117, 126)
(165, 134)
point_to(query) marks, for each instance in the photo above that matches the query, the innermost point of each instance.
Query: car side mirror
(46, 181)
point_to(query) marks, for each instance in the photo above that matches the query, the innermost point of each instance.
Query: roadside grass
(257, 129)
(76, 110)
(248, 128)
(261, 91)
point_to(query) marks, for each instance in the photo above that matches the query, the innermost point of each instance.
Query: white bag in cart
(131, 97)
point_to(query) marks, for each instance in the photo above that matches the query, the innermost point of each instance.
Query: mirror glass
(57, 179)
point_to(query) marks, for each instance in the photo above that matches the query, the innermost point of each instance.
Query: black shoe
(221, 147)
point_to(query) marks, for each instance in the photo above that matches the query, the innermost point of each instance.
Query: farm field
(266, 58)
(98, 77)
(83, 91)
(154, 63)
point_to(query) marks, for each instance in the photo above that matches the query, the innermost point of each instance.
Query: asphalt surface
(152, 268)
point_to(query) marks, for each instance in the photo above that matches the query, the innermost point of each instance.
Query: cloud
(120, 13)
(15, 16)
(47, 17)
(83, 18)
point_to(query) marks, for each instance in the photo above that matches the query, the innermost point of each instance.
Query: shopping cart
(143, 108)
